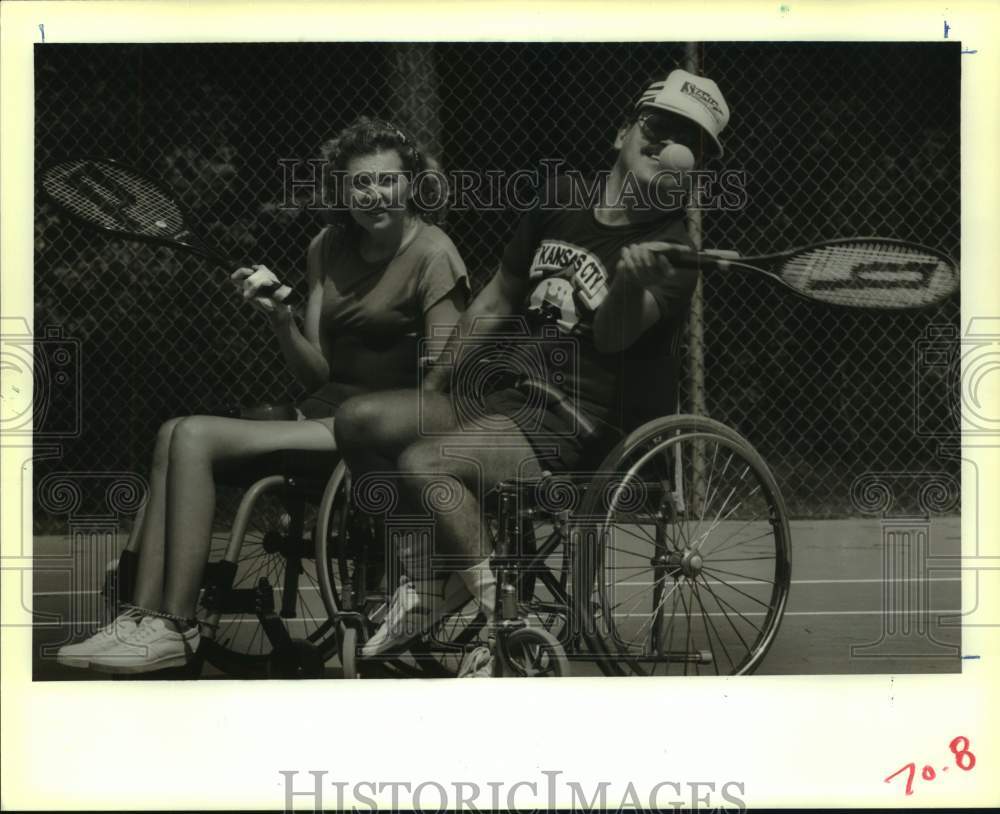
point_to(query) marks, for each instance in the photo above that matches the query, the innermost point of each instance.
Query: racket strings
(870, 274)
(113, 198)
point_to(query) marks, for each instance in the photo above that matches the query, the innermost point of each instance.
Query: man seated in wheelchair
(580, 287)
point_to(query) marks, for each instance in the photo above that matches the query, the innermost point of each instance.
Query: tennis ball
(676, 157)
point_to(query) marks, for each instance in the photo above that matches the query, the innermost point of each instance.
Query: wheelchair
(672, 557)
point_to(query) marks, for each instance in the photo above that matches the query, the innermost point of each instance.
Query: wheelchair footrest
(236, 601)
(274, 628)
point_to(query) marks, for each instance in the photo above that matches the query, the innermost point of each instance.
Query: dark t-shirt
(372, 316)
(373, 313)
(569, 260)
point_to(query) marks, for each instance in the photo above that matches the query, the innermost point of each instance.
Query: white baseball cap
(694, 97)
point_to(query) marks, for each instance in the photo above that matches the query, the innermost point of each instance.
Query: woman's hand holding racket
(263, 290)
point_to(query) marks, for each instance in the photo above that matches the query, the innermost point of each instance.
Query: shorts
(554, 436)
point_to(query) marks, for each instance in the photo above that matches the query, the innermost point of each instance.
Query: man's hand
(645, 261)
(435, 377)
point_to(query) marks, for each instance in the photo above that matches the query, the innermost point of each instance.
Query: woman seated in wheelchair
(379, 276)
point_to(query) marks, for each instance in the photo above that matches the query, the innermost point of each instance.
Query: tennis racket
(857, 272)
(119, 201)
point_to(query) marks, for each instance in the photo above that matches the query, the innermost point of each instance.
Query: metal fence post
(414, 98)
(696, 323)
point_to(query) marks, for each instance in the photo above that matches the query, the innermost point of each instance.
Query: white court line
(617, 616)
(97, 591)
(634, 584)
(895, 581)
(802, 581)
(869, 612)
(300, 620)
(822, 613)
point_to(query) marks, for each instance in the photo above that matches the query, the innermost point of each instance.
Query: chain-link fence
(835, 139)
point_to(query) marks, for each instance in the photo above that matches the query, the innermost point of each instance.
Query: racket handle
(710, 258)
(293, 300)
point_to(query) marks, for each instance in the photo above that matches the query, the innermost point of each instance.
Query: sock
(128, 565)
(482, 584)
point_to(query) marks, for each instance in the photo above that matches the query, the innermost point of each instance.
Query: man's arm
(631, 307)
(500, 298)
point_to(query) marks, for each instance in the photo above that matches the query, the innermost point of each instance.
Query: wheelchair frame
(588, 631)
(543, 620)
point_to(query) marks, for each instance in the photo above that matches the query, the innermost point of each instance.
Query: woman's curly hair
(364, 136)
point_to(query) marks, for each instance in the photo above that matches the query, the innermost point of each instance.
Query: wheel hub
(273, 542)
(691, 563)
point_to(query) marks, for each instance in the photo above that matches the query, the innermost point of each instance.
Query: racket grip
(710, 258)
(292, 300)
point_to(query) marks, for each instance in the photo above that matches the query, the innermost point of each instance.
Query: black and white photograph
(411, 359)
(696, 484)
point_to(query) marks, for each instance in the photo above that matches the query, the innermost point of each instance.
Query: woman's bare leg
(149, 541)
(198, 444)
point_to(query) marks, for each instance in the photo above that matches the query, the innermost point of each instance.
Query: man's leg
(458, 469)
(373, 430)
(471, 464)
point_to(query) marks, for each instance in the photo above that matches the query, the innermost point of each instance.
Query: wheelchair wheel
(532, 653)
(346, 542)
(276, 571)
(543, 599)
(341, 541)
(354, 589)
(349, 652)
(684, 548)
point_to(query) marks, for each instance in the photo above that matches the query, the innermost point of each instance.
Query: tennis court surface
(866, 597)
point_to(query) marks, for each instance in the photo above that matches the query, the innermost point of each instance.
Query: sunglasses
(657, 125)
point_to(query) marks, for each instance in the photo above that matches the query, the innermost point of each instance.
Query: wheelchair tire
(659, 599)
(532, 653)
(331, 527)
(544, 599)
(349, 652)
(278, 524)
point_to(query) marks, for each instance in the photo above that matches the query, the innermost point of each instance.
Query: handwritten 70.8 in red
(964, 759)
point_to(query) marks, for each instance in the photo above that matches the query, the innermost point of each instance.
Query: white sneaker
(414, 609)
(153, 645)
(80, 654)
(477, 663)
